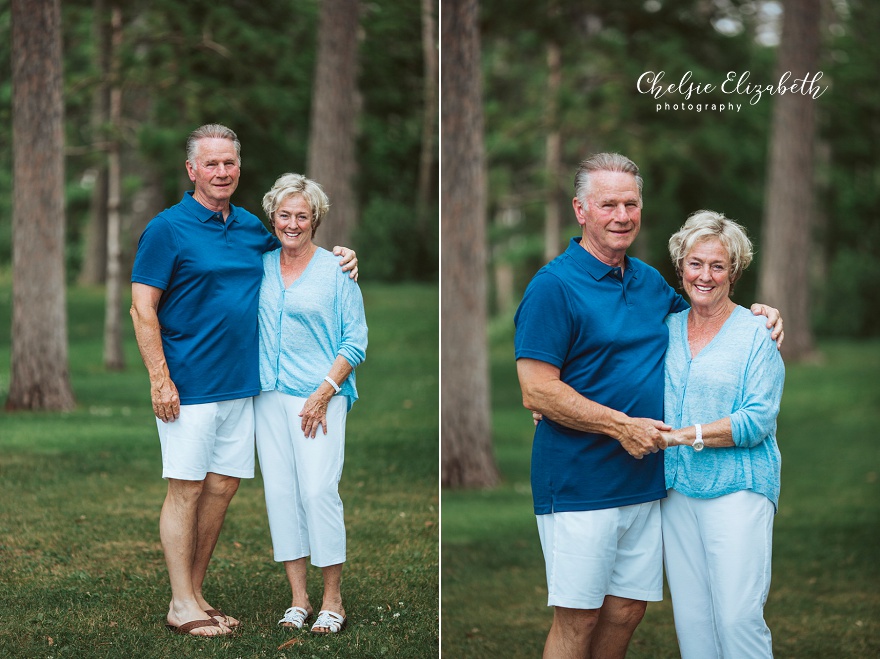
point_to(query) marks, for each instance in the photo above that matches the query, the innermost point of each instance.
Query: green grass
(825, 596)
(81, 565)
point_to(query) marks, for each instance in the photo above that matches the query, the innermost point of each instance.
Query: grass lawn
(81, 565)
(825, 596)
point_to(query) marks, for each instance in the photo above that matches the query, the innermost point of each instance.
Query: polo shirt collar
(201, 213)
(594, 266)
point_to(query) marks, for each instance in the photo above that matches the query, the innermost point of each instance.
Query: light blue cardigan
(305, 326)
(739, 374)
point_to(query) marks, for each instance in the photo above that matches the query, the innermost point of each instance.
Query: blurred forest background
(568, 70)
(552, 82)
(250, 66)
(345, 91)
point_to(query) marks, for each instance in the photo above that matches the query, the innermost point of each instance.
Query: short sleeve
(156, 257)
(544, 321)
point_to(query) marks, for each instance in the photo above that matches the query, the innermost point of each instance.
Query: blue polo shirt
(209, 271)
(608, 338)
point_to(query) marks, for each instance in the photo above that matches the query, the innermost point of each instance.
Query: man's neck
(213, 205)
(615, 259)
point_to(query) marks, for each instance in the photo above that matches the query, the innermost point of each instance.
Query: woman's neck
(700, 317)
(295, 256)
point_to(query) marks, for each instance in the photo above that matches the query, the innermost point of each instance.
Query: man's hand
(642, 436)
(349, 260)
(774, 320)
(166, 401)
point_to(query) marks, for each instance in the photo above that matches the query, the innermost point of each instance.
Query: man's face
(611, 216)
(216, 172)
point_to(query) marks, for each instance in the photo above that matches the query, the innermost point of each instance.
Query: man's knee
(184, 493)
(221, 486)
(575, 623)
(623, 612)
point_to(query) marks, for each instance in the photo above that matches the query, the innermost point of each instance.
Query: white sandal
(332, 621)
(296, 616)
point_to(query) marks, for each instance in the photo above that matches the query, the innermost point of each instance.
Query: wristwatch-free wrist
(698, 442)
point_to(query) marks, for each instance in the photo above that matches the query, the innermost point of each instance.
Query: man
(195, 287)
(590, 345)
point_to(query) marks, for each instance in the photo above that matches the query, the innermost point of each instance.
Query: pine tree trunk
(428, 158)
(335, 106)
(94, 265)
(466, 435)
(39, 377)
(553, 155)
(786, 239)
(114, 358)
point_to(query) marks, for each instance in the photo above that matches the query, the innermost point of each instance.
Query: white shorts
(209, 437)
(593, 553)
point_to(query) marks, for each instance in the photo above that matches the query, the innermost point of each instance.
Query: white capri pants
(717, 554)
(301, 478)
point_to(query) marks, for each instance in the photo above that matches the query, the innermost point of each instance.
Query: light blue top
(739, 374)
(304, 327)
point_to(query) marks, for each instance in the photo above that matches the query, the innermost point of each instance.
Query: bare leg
(570, 634)
(213, 502)
(618, 619)
(296, 575)
(178, 525)
(332, 591)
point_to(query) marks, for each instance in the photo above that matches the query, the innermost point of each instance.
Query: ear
(580, 211)
(190, 170)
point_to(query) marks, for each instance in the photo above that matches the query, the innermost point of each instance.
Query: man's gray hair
(210, 131)
(603, 162)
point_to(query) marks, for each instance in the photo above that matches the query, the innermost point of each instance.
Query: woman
(723, 387)
(312, 336)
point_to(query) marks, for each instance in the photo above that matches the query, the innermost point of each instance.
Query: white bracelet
(335, 386)
(698, 442)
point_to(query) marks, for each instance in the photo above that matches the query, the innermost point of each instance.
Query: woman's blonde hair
(293, 184)
(705, 225)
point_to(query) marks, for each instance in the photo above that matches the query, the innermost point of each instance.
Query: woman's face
(293, 222)
(705, 274)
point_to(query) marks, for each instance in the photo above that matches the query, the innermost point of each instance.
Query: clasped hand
(639, 436)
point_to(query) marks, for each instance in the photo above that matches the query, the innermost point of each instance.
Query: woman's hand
(349, 260)
(314, 414)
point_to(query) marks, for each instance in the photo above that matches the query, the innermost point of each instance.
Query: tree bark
(553, 155)
(428, 156)
(114, 358)
(94, 265)
(466, 436)
(788, 206)
(335, 107)
(39, 377)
